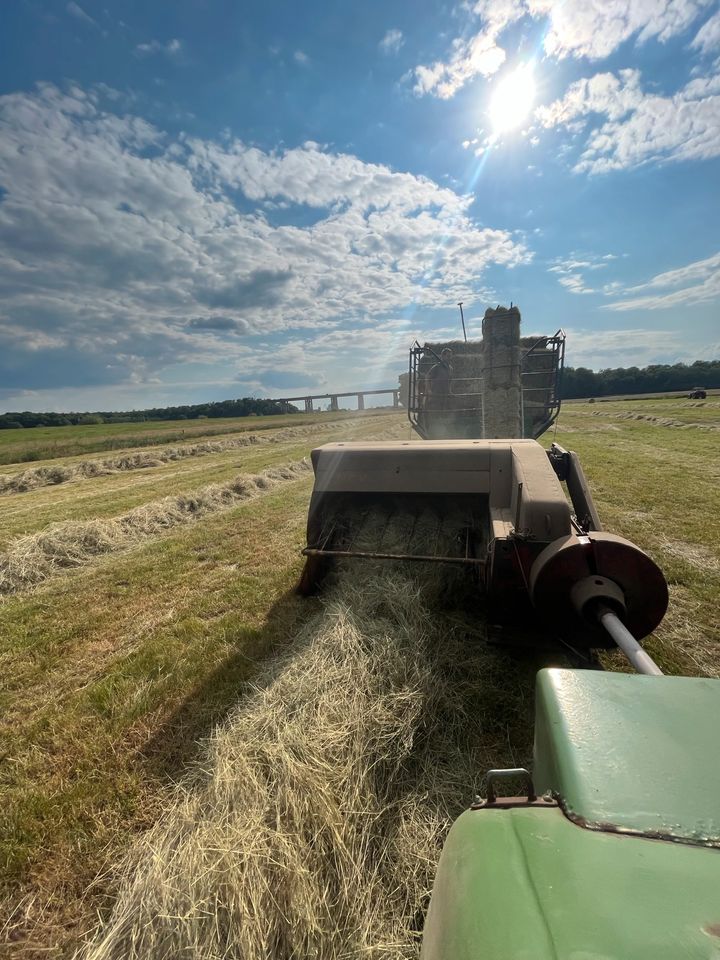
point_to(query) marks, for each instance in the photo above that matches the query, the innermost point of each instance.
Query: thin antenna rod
(462, 317)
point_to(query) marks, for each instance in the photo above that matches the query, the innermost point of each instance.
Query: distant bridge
(334, 397)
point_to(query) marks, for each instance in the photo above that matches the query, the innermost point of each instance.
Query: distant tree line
(657, 378)
(576, 382)
(246, 407)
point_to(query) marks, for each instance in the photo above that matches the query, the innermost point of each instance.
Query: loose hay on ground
(313, 827)
(56, 474)
(31, 559)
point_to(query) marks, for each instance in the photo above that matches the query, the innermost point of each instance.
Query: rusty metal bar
(518, 507)
(516, 773)
(362, 555)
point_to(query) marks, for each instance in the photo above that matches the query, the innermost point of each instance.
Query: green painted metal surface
(530, 885)
(634, 753)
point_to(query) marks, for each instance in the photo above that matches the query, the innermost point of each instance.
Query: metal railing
(540, 402)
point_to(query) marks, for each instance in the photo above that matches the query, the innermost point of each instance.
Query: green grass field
(55, 443)
(112, 672)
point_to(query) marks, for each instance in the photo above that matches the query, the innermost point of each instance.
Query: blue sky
(206, 199)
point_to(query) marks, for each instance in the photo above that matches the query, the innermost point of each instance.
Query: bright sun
(513, 99)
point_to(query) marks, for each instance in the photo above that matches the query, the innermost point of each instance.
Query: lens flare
(513, 99)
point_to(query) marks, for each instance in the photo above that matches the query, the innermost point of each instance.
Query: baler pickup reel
(496, 507)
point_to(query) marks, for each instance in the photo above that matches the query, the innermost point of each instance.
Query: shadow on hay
(180, 736)
(312, 824)
(178, 740)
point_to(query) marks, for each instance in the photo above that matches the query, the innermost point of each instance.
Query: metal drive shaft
(638, 657)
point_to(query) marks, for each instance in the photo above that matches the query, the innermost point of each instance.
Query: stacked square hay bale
(484, 399)
(461, 412)
(500, 384)
(502, 390)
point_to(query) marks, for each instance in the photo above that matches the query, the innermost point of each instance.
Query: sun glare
(513, 99)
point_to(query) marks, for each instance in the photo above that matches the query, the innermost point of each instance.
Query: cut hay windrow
(31, 559)
(56, 474)
(313, 824)
(659, 421)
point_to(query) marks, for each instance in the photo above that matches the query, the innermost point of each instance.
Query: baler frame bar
(373, 555)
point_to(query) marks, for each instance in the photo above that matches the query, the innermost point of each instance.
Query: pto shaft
(638, 657)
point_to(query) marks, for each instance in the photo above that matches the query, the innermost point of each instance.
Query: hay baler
(612, 852)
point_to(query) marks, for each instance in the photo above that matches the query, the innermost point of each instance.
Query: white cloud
(591, 28)
(698, 282)
(478, 55)
(392, 41)
(170, 49)
(574, 283)
(75, 10)
(121, 251)
(604, 93)
(594, 28)
(698, 270)
(302, 58)
(702, 87)
(569, 269)
(640, 127)
(597, 349)
(707, 38)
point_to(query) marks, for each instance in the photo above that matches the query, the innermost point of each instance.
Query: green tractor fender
(619, 859)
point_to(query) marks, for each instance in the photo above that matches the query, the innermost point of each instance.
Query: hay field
(184, 738)
(56, 443)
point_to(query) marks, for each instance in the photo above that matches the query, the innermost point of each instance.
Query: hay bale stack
(462, 414)
(485, 398)
(502, 393)
(501, 384)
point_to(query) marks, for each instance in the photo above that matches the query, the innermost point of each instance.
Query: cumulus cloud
(639, 127)
(604, 93)
(697, 282)
(707, 39)
(302, 58)
(122, 251)
(170, 49)
(392, 41)
(476, 55)
(594, 29)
